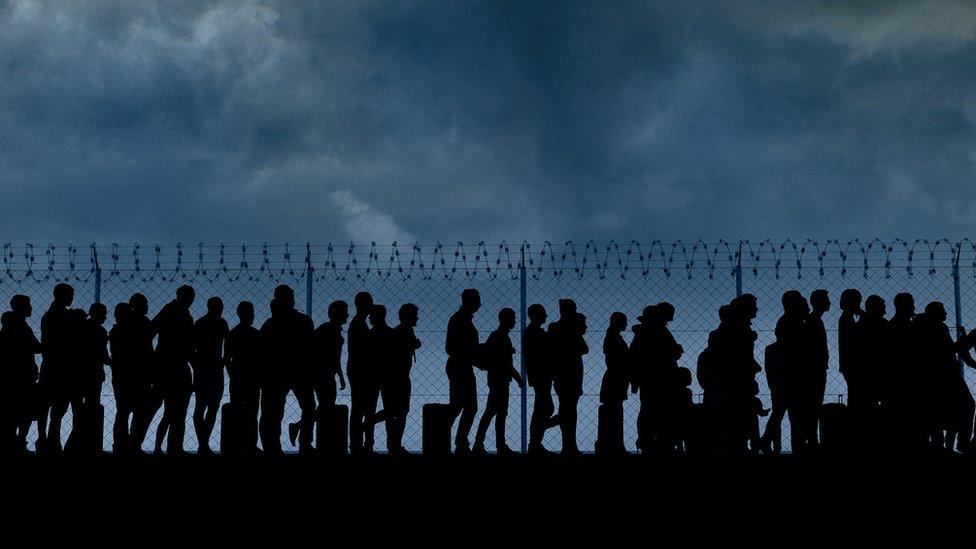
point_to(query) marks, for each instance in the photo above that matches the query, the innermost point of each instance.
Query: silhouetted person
(872, 342)
(967, 406)
(59, 329)
(497, 360)
(124, 385)
(19, 396)
(819, 360)
(287, 338)
(537, 354)
(243, 353)
(566, 338)
(654, 358)
(209, 334)
(613, 388)
(403, 345)
(950, 403)
(848, 351)
(382, 356)
(900, 399)
(174, 350)
(462, 348)
(328, 352)
(794, 385)
(147, 377)
(362, 387)
(739, 407)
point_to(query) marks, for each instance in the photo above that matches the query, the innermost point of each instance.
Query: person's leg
(250, 417)
(215, 397)
(306, 403)
(501, 415)
(272, 414)
(567, 422)
(469, 408)
(201, 391)
(356, 415)
(542, 409)
(59, 407)
(176, 410)
(485, 422)
(369, 416)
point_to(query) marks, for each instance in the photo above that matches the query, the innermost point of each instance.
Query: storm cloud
(331, 121)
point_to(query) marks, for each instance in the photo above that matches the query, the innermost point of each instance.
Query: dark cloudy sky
(486, 120)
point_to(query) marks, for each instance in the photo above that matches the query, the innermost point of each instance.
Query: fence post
(738, 271)
(955, 284)
(522, 314)
(98, 276)
(309, 272)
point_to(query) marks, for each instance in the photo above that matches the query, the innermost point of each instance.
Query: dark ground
(489, 496)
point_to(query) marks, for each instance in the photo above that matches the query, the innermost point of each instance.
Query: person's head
(470, 300)
(665, 311)
(648, 315)
(276, 307)
(338, 312)
(506, 318)
(77, 315)
(725, 313)
(850, 300)
(820, 301)
(285, 296)
(215, 306)
(8, 319)
(936, 311)
(904, 304)
(139, 304)
(185, 295)
(537, 314)
(580, 323)
(364, 303)
(21, 305)
(245, 313)
(98, 312)
(745, 307)
(121, 312)
(409, 315)
(618, 322)
(377, 315)
(793, 303)
(567, 308)
(874, 306)
(64, 294)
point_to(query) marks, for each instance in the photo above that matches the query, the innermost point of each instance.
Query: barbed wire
(173, 262)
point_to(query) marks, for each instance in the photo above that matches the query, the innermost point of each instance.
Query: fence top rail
(623, 259)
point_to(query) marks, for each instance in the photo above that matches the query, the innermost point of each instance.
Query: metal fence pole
(738, 272)
(98, 276)
(955, 284)
(309, 272)
(522, 315)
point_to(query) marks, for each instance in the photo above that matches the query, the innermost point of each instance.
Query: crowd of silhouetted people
(906, 389)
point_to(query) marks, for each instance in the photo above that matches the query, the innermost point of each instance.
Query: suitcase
(87, 430)
(230, 431)
(332, 430)
(610, 430)
(438, 419)
(835, 427)
(701, 431)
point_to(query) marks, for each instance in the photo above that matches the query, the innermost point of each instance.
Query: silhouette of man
(566, 338)
(18, 345)
(243, 354)
(124, 387)
(497, 361)
(59, 336)
(362, 391)
(462, 348)
(613, 389)
(328, 345)
(738, 407)
(872, 334)
(815, 368)
(793, 380)
(174, 350)
(396, 380)
(899, 396)
(848, 352)
(287, 338)
(209, 334)
(381, 364)
(966, 404)
(147, 376)
(537, 353)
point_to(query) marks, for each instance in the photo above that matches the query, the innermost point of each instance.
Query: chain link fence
(696, 277)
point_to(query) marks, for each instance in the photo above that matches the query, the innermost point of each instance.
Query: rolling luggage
(88, 426)
(610, 430)
(332, 430)
(438, 419)
(835, 427)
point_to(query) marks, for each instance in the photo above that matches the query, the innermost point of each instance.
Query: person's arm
(518, 377)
